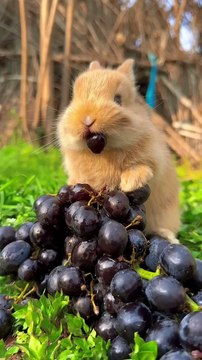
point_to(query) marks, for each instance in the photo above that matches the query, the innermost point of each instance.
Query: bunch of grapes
(91, 246)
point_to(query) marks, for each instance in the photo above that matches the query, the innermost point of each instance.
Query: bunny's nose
(88, 121)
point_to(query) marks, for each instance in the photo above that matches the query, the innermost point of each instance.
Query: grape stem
(135, 221)
(147, 275)
(192, 305)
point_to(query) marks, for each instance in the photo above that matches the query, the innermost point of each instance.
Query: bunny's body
(135, 153)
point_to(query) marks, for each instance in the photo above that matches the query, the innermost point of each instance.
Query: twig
(44, 61)
(23, 95)
(66, 61)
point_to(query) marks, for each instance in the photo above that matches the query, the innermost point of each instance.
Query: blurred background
(44, 44)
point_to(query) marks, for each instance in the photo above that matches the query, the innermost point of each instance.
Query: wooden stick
(188, 127)
(23, 96)
(66, 60)
(161, 123)
(47, 112)
(44, 61)
(182, 99)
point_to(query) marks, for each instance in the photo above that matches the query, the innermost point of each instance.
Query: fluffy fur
(135, 154)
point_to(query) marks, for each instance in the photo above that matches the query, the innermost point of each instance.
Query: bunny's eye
(117, 99)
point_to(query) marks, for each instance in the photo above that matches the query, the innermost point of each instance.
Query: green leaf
(2, 350)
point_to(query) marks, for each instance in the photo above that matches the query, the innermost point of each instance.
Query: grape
(106, 327)
(39, 201)
(190, 331)
(177, 355)
(99, 292)
(137, 242)
(119, 350)
(23, 232)
(65, 195)
(96, 142)
(131, 318)
(165, 333)
(6, 322)
(5, 302)
(197, 277)
(85, 221)
(165, 293)
(106, 268)
(41, 286)
(198, 298)
(13, 255)
(84, 255)
(132, 214)
(126, 285)
(103, 217)
(48, 258)
(42, 236)
(70, 281)
(53, 279)
(116, 204)
(81, 192)
(112, 238)
(70, 211)
(30, 270)
(176, 260)
(112, 304)
(83, 306)
(49, 212)
(139, 196)
(7, 235)
(70, 242)
(157, 245)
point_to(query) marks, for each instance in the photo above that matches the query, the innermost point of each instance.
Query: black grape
(7, 235)
(13, 255)
(84, 255)
(116, 204)
(112, 238)
(165, 333)
(23, 232)
(157, 245)
(6, 322)
(96, 142)
(190, 331)
(137, 242)
(131, 318)
(139, 196)
(85, 221)
(119, 350)
(177, 355)
(126, 285)
(106, 327)
(176, 260)
(70, 281)
(30, 270)
(165, 293)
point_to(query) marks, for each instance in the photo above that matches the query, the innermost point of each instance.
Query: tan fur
(135, 154)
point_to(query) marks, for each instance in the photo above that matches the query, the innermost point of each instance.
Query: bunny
(106, 101)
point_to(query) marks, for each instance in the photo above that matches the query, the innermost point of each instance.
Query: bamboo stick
(24, 57)
(67, 52)
(44, 60)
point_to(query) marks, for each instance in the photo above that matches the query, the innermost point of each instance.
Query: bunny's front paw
(135, 178)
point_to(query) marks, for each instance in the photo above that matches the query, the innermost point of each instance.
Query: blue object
(151, 90)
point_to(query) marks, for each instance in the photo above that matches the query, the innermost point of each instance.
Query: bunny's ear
(94, 65)
(127, 69)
